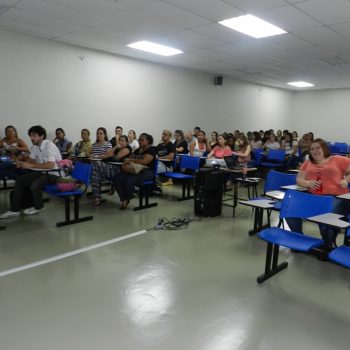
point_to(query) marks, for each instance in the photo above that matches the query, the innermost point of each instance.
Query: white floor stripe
(68, 254)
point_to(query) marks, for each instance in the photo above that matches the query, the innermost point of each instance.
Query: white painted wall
(58, 85)
(325, 112)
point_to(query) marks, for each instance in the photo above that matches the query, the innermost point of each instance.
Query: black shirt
(182, 144)
(165, 149)
(139, 154)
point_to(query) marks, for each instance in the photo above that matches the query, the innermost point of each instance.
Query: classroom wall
(325, 112)
(60, 85)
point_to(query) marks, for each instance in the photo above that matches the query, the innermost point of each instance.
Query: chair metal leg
(186, 187)
(144, 193)
(76, 219)
(272, 253)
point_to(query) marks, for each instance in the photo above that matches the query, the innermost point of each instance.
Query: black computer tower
(208, 192)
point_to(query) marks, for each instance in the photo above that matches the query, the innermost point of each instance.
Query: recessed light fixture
(300, 84)
(252, 26)
(154, 48)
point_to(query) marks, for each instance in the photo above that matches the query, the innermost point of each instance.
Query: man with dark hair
(43, 156)
(196, 130)
(115, 139)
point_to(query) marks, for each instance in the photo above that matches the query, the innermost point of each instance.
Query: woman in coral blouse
(324, 174)
(221, 150)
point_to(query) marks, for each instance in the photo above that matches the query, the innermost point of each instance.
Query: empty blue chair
(190, 163)
(294, 205)
(341, 256)
(81, 173)
(275, 180)
(342, 146)
(275, 158)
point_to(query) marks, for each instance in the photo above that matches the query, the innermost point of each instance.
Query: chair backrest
(276, 155)
(189, 162)
(334, 149)
(81, 172)
(257, 155)
(343, 146)
(274, 180)
(296, 204)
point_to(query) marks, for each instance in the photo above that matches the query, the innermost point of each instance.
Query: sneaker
(31, 211)
(9, 214)
(169, 182)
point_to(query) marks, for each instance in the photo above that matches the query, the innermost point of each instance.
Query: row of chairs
(275, 237)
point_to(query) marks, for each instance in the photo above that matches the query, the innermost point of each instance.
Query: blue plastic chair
(275, 158)
(341, 255)
(342, 146)
(257, 156)
(294, 205)
(145, 189)
(81, 173)
(275, 180)
(190, 163)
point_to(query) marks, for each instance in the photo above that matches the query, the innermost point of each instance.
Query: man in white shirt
(44, 156)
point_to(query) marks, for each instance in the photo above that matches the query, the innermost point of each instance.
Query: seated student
(101, 147)
(199, 146)
(165, 150)
(132, 140)
(324, 174)
(231, 141)
(43, 155)
(222, 150)
(105, 171)
(138, 168)
(304, 145)
(180, 142)
(271, 143)
(256, 141)
(11, 144)
(213, 141)
(189, 138)
(244, 150)
(82, 148)
(118, 132)
(196, 130)
(62, 143)
(291, 148)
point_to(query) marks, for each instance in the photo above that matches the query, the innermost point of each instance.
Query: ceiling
(316, 48)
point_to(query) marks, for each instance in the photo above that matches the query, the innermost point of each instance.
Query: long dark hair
(104, 131)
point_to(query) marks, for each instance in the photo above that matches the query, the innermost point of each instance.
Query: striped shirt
(99, 149)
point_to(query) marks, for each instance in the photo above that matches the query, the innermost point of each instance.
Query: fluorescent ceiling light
(253, 26)
(154, 48)
(300, 84)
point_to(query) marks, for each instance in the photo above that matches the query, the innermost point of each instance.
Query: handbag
(133, 168)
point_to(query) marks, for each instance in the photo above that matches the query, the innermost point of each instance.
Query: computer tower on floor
(208, 192)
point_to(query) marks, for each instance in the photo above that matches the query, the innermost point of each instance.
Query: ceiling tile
(251, 6)
(288, 18)
(327, 12)
(320, 35)
(174, 15)
(97, 7)
(59, 12)
(215, 10)
(39, 20)
(28, 28)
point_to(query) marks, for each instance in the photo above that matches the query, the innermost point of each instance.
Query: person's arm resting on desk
(31, 163)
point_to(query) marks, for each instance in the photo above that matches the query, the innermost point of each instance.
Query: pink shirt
(221, 153)
(332, 172)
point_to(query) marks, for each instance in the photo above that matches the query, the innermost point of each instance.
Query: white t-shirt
(289, 148)
(46, 152)
(134, 145)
